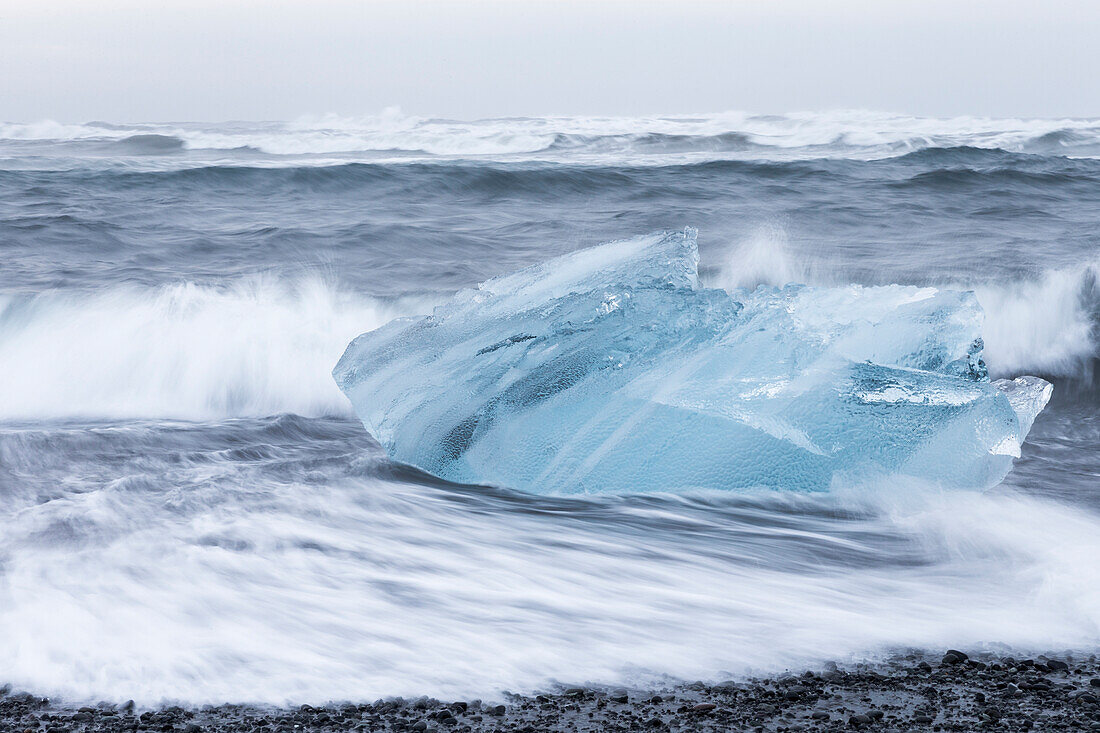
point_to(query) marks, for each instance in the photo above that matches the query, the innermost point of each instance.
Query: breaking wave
(844, 134)
(254, 347)
(1047, 325)
(264, 346)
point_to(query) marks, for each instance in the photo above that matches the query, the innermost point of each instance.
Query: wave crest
(255, 347)
(839, 134)
(265, 346)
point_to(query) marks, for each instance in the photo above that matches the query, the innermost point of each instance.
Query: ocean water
(190, 511)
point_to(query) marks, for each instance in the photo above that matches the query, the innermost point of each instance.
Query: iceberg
(612, 369)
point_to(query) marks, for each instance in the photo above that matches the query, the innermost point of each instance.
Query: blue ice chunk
(613, 369)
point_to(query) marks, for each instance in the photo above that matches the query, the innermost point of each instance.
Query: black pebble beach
(955, 692)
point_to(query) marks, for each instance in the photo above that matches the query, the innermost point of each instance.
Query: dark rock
(923, 719)
(925, 666)
(820, 715)
(704, 707)
(1056, 666)
(954, 656)
(859, 719)
(795, 692)
(1095, 682)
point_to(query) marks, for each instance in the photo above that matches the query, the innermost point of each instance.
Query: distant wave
(1064, 142)
(966, 178)
(149, 144)
(959, 155)
(933, 170)
(966, 171)
(842, 134)
(654, 142)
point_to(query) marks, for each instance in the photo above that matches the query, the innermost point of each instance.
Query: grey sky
(158, 60)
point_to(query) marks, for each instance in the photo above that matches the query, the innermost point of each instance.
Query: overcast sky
(162, 60)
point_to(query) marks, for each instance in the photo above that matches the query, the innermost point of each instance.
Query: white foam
(763, 257)
(229, 590)
(1042, 325)
(857, 134)
(256, 346)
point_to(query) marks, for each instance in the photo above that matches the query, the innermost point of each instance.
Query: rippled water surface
(190, 511)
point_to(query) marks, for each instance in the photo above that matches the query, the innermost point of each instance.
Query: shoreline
(955, 692)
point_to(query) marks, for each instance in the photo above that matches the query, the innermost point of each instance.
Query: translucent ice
(613, 369)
